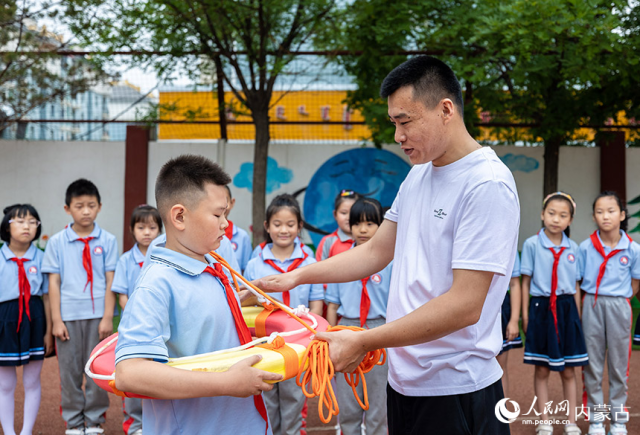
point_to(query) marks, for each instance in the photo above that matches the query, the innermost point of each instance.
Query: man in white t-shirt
(452, 234)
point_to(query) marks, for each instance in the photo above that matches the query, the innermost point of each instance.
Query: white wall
(39, 173)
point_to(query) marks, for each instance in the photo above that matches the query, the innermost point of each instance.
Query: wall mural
(370, 171)
(519, 162)
(276, 176)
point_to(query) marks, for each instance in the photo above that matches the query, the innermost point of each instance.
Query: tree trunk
(551, 159)
(260, 154)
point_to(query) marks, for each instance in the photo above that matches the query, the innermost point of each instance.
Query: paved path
(50, 422)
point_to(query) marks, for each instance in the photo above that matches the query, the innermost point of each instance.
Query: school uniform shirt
(241, 245)
(127, 271)
(516, 266)
(349, 294)
(177, 310)
(619, 271)
(9, 278)
(300, 295)
(225, 250)
(537, 262)
(63, 256)
(333, 244)
(464, 215)
(260, 247)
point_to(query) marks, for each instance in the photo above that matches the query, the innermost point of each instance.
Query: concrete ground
(521, 375)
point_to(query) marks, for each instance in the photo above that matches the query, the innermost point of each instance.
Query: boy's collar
(8, 253)
(178, 261)
(72, 236)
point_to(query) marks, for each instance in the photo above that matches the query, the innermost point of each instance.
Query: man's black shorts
(461, 414)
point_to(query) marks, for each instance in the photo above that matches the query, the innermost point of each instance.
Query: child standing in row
(340, 240)
(239, 238)
(362, 303)
(25, 327)
(281, 254)
(145, 226)
(80, 261)
(610, 263)
(551, 320)
(510, 322)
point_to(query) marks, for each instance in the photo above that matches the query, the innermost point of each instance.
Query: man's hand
(345, 349)
(245, 380)
(276, 283)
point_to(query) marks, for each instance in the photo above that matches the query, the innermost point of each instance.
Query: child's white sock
(32, 394)
(8, 380)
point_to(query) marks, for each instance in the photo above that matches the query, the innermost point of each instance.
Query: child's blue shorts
(543, 347)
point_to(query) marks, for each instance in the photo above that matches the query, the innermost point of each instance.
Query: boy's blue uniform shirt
(348, 295)
(176, 311)
(9, 280)
(620, 269)
(63, 255)
(537, 262)
(241, 245)
(300, 295)
(127, 271)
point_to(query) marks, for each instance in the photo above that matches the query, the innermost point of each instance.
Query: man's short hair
(81, 187)
(431, 79)
(182, 181)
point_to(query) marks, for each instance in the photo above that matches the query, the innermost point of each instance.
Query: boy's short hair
(228, 191)
(81, 187)
(431, 80)
(182, 180)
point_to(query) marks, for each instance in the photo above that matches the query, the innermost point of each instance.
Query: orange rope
(320, 369)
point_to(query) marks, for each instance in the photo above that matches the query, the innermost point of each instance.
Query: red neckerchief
(286, 297)
(597, 244)
(25, 290)
(365, 302)
(241, 326)
(554, 287)
(229, 230)
(140, 264)
(88, 266)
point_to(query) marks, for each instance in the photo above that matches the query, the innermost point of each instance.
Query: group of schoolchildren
(62, 302)
(576, 311)
(574, 302)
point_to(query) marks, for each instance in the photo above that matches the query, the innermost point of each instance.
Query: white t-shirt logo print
(439, 213)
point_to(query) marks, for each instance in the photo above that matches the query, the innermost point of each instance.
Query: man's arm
(458, 308)
(351, 265)
(154, 379)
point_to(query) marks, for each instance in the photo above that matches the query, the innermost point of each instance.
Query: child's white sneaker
(94, 430)
(75, 431)
(596, 429)
(572, 429)
(618, 429)
(138, 432)
(544, 429)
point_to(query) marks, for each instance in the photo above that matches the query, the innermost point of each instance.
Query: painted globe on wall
(369, 171)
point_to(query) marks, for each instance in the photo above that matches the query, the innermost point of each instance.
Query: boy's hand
(48, 344)
(105, 328)
(246, 381)
(60, 331)
(512, 330)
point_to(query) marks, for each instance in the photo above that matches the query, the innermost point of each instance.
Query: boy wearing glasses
(80, 261)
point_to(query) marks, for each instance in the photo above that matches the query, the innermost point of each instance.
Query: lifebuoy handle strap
(261, 321)
(320, 369)
(291, 363)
